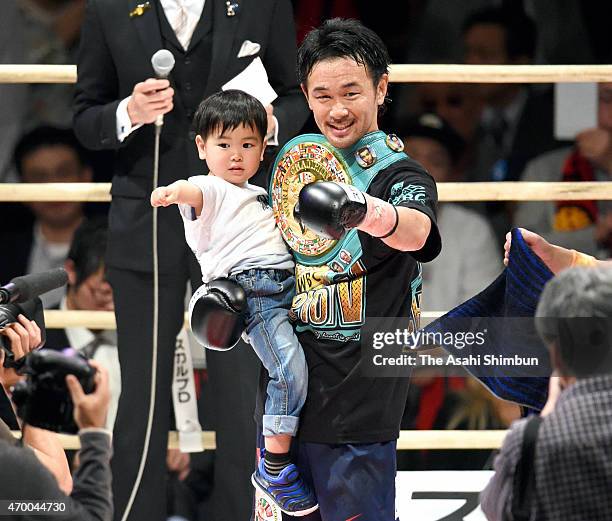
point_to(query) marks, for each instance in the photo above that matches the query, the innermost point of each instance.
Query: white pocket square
(248, 48)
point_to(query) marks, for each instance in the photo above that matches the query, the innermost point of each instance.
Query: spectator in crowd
(455, 103)
(13, 106)
(426, 408)
(45, 155)
(39, 471)
(452, 402)
(53, 27)
(437, 29)
(584, 225)
(311, 13)
(572, 468)
(50, 30)
(21, 338)
(582, 25)
(475, 407)
(463, 268)
(88, 290)
(460, 106)
(395, 31)
(566, 34)
(458, 273)
(517, 122)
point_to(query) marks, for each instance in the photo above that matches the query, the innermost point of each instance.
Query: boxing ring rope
(400, 73)
(447, 192)
(56, 319)
(450, 73)
(74, 192)
(408, 440)
(11, 73)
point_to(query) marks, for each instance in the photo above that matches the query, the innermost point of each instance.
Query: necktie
(182, 22)
(90, 349)
(100, 338)
(181, 26)
(498, 128)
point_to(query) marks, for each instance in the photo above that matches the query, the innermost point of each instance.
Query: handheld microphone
(162, 62)
(28, 287)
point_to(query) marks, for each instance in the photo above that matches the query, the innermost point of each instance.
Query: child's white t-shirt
(236, 230)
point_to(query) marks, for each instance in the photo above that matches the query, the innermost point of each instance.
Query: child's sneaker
(287, 490)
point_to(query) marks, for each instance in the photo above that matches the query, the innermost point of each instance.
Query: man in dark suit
(40, 232)
(517, 121)
(212, 42)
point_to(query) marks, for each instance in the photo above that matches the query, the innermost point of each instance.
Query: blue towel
(503, 310)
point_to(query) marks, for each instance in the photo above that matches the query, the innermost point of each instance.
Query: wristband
(582, 260)
(394, 226)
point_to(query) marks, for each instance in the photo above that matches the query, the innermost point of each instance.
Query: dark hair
(574, 315)
(227, 110)
(432, 126)
(520, 30)
(88, 247)
(47, 136)
(341, 38)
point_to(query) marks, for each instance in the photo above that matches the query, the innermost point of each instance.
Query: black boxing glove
(217, 314)
(330, 208)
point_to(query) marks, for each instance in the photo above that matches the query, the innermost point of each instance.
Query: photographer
(559, 466)
(35, 481)
(17, 335)
(25, 336)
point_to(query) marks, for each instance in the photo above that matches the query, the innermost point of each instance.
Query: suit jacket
(16, 264)
(534, 133)
(115, 54)
(533, 136)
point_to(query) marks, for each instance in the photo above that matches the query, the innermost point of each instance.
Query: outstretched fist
(164, 196)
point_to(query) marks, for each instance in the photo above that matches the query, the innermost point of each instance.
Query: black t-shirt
(343, 406)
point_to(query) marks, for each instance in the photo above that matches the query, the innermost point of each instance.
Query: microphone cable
(152, 394)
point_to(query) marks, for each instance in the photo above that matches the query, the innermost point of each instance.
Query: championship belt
(309, 158)
(329, 274)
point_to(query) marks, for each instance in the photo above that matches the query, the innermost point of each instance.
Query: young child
(231, 229)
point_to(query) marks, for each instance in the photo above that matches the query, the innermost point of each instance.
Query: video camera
(20, 296)
(42, 400)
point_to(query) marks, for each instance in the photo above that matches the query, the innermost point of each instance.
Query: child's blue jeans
(269, 295)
